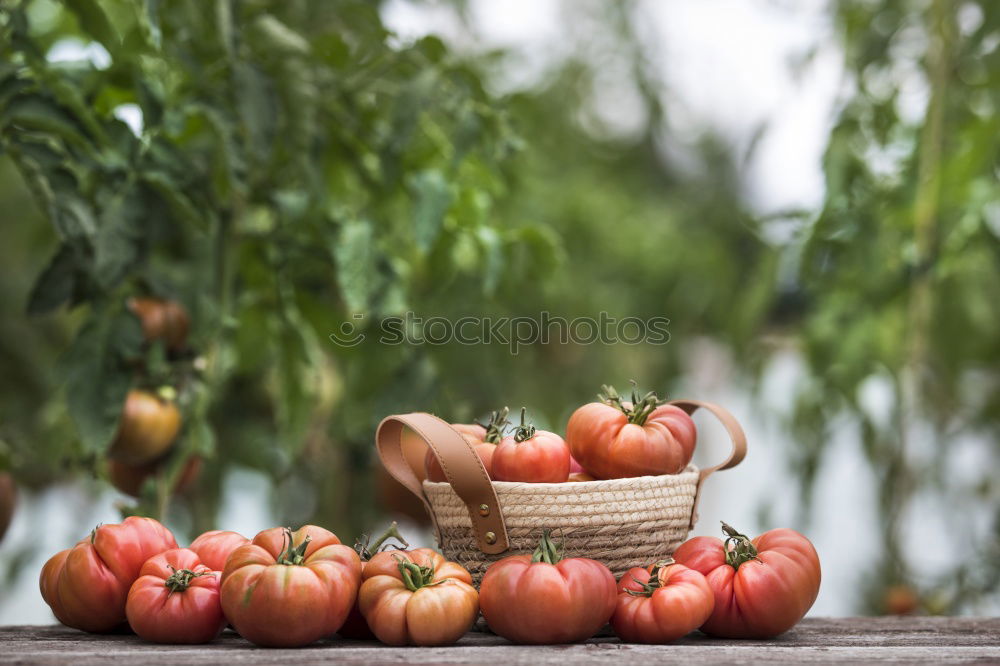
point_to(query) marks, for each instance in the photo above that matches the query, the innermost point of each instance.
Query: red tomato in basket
(660, 604)
(762, 587)
(417, 598)
(87, 585)
(483, 439)
(533, 456)
(541, 599)
(175, 600)
(288, 589)
(215, 546)
(615, 439)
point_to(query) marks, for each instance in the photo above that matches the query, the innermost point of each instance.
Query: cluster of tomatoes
(611, 439)
(289, 589)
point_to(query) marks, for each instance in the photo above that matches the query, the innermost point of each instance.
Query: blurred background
(807, 190)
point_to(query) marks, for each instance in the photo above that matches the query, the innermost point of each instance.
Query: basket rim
(598, 485)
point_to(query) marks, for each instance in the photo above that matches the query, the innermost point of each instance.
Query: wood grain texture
(819, 640)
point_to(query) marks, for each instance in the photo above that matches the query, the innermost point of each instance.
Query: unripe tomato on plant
(149, 425)
(417, 598)
(355, 626)
(616, 438)
(129, 479)
(532, 456)
(541, 598)
(484, 440)
(87, 585)
(175, 600)
(214, 547)
(288, 589)
(900, 599)
(661, 603)
(762, 587)
(8, 501)
(161, 319)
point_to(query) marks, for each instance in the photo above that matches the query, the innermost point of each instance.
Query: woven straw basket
(620, 522)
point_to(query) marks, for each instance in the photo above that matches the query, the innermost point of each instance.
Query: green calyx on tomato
(654, 583)
(181, 579)
(365, 548)
(415, 576)
(294, 555)
(739, 548)
(548, 551)
(525, 431)
(640, 408)
(496, 425)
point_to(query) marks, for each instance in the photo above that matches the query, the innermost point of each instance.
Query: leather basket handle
(736, 434)
(462, 467)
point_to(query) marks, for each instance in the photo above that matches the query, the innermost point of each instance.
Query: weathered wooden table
(910, 640)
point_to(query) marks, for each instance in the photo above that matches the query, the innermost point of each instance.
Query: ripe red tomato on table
(762, 587)
(542, 598)
(532, 456)
(615, 438)
(175, 600)
(149, 425)
(661, 603)
(87, 585)
(417, 598)
(215, 546)
(288, 589)
(484, 440)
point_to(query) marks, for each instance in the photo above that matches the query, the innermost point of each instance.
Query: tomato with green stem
(87, 585)
(148, 426)
(532, 456)
(215, 546)
(617, 438)
(175, 600)
(542, 598)
(762, 587)
(356, 626)
(483, 438)
(411, 603)
(288, 589)
(661, 603)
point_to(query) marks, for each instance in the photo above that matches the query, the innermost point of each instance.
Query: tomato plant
(542, 598)
(215, 546)
(661, 603)
(130, 479)
(417, 598)
(288, 589)
(483, 438)
(531, 455)
(165, 320)
(149, 425)
(356, 626)
(762, 587)
(87, 585)
(175, 599)
(615, 438)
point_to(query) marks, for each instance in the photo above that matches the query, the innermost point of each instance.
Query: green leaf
(95, 22)
(258, 109)
(279, 37)
(432, 197)
(97, 375)
(118, 244)
(56, 283)
(39, 113)
(354, 253)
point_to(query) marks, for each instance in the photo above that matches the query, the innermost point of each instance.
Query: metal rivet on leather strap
(484, 510)
(491, 538)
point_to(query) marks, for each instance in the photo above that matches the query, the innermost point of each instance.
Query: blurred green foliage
(297, 165)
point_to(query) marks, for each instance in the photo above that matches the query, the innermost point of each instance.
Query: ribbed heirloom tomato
(616, 438)
(87, 585)
(542, 598)
(484, 440)
(215, 546)
(762, 587)
(175, 600)
(417, 598)
(532, 456)
(660, 604)
(355, 626)
(288, 589)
